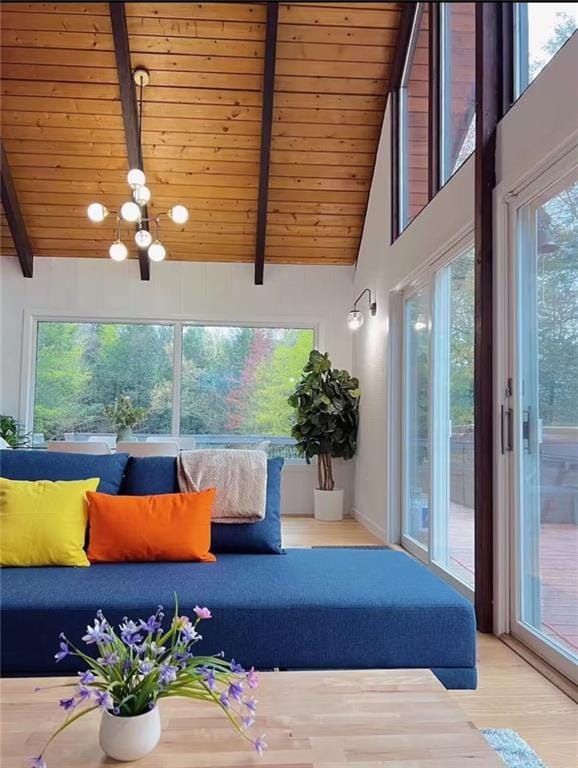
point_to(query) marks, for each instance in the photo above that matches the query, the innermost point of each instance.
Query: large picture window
(458, 85)
(540, 30)
(222, 385)
(82, 367)
(413, 158)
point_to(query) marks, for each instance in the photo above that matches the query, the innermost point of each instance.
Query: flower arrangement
(143, 663)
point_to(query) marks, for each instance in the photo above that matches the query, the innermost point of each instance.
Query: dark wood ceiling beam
(15, 219)
(266, 130)
(129, 107)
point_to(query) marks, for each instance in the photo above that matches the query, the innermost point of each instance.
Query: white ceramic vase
(130, 738)
(328, 505)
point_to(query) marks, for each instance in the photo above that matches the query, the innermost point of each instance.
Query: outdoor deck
(558, 571)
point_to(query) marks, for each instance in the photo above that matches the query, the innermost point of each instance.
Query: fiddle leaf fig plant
(326, 400)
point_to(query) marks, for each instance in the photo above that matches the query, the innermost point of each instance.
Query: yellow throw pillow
(44, 522)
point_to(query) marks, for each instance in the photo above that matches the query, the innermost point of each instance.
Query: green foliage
(122, 414)
(273, 382)
(61, 377)
(327, 404)
(13, 432)
(234, 380)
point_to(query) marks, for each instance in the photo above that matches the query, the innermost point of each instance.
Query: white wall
(205, 292)
(544, 117)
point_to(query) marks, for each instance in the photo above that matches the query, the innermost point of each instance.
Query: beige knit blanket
(240, 477)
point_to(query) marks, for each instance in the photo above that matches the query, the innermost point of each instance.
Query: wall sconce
(355, 317)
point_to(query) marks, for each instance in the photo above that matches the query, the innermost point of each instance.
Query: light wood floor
(510, 694)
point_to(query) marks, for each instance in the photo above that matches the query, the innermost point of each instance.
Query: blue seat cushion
(47, 465)
(158, 474)
(312, 609)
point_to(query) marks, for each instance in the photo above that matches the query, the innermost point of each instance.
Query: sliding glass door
(417, 496)
(545, 407)
(438, 420)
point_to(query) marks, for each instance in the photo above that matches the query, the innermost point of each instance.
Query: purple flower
(103, 699)
(98, 633)
(168, 674)
(247, 722)
(252, 678)
(83, 693)
(237, 669)
(251, 705)
(190, 634)
(183, 656)
(146, 667)
(129, 634)
(202, 613)
(260, 745)
(86, 678)
(224, 699)
(209, 676)
(37, 762)
(63, 652)
(151, 625)
(67, 704)
(109, 659)
(236, 691)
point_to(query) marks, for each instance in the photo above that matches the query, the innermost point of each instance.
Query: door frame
(542, 183)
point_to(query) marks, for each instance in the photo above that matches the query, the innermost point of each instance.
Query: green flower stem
(65, 725)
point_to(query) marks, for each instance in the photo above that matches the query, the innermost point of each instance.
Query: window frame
(178, 323)
(540, 185)
(425, 277)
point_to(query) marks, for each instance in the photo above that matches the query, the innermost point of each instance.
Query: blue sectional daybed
(306, 609)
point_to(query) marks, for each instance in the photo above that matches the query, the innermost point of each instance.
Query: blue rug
(512, 748)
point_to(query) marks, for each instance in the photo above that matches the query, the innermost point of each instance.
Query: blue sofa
(303, 609)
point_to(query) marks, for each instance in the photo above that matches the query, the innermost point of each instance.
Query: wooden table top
(358, 719)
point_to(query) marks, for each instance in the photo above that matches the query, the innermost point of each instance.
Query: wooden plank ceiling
(62, 124)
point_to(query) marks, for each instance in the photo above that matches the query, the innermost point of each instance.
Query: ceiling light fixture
(133, 211)
(355, 318)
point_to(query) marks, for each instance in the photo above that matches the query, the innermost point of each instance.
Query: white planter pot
(130, 738)
(328, 505)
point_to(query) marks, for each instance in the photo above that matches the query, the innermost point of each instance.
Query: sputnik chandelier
(134, 211)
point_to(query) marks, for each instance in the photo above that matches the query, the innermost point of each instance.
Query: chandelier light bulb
(157, 251)
(355, 320)
(142, 195)
(143, 238)
(136, 178)
(118, 251)
(179, 214)
(130, 212)
(96, 212)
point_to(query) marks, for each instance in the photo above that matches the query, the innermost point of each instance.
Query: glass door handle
(507, 429)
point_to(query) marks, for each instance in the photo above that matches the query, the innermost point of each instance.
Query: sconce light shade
(355, 319)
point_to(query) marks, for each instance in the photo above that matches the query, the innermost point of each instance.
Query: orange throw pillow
(169, 527)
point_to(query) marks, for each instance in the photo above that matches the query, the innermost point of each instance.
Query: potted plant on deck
(327, 404)
(12, 431)
(123, 415)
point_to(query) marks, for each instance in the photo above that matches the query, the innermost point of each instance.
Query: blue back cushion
(47, 465)
(158, 474)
